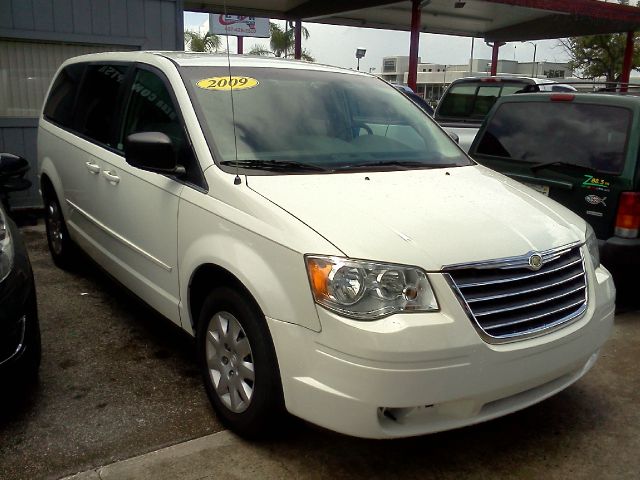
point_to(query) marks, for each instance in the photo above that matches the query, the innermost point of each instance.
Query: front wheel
(238, 363)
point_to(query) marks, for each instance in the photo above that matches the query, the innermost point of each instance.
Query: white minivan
(335, 254)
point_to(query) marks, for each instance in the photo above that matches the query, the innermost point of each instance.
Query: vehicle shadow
(526, 444)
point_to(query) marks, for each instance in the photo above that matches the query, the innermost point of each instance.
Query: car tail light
(563, 97)
(628, 219)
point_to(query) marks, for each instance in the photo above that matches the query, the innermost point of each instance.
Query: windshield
(590, 136)
(310, 121)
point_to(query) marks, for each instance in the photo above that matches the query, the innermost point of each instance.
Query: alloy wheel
(230, 361)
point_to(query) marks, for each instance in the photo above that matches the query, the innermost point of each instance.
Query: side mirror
(152, 151)
(454, 136)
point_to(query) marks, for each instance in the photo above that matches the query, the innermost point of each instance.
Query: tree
(198, 42)
(282, 43)
(595, 56)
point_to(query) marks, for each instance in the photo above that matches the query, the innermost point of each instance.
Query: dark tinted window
(59, 106)
(474, 100)
(96, 108)
(151, 109)
(593, 136)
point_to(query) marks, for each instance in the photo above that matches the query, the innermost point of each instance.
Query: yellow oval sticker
(226, 83)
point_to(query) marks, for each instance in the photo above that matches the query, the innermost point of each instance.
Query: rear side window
(592, 136)
(59, 106)
(96, 107)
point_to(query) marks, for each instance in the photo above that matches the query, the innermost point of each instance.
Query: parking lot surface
(118, 381)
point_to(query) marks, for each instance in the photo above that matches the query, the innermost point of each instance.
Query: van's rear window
(588, 135)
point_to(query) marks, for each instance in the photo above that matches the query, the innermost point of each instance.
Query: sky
(336, 45)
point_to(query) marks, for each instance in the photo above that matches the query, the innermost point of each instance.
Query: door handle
(110, 176)
(93, 167)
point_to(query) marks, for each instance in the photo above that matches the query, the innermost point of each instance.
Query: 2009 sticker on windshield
(227, 83)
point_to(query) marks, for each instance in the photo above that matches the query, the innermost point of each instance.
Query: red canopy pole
(628, 63)
(240, 45)
(412, 79)
(494, 58)
(298, 39)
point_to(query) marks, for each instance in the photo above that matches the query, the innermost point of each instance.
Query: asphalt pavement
(119, 397)
(116, 379)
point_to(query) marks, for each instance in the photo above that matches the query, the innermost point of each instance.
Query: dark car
(19, 327)
(415, 98)
(581, 150)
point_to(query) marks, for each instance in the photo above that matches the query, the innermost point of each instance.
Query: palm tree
(202, 42)
(282, 43)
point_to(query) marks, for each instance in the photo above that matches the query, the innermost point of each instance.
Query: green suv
(582, 151)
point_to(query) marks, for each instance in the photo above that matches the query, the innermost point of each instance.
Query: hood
(429, 218)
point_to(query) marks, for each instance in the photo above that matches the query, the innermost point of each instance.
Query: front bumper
(414, 374)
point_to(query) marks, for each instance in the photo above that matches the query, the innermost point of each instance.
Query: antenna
(237, 180)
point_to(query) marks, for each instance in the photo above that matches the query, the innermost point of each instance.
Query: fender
(274, 275)
(48, 169)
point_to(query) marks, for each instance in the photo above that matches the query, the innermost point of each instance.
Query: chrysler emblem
(535, 262)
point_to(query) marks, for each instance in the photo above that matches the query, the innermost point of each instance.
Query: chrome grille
(508, 300)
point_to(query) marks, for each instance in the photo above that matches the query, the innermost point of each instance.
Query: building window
(26, 69)
(389, 65)
(554, 73)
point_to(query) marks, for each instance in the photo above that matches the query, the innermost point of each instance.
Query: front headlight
(368, 290)
(6, 247)
(592, 246)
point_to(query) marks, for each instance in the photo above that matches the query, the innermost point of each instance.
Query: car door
(82, 102)
(139, 209)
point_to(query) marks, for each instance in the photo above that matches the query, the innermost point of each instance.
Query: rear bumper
(415, 374)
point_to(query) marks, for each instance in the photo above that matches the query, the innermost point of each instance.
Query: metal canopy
(494, 20)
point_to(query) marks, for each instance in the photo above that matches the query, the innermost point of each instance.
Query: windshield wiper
(403, 164)
(274, 165)
(538, 166)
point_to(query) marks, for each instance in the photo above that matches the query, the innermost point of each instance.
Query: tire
(63, 250)
(239, 364)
